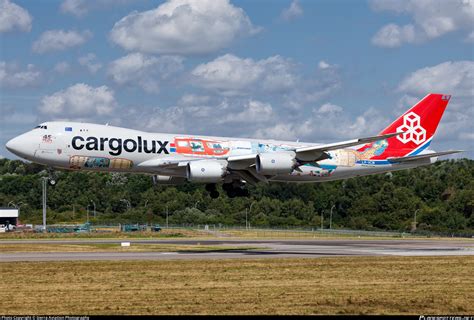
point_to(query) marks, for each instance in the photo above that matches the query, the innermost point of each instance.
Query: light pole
(414, 224)
(330, 218)
(246, 214)
(45, 185)
(322, 217)
(94, 208)
(87, 213)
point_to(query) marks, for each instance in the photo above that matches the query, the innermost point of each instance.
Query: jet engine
(273, 163)
(167, 180)
(209, 171)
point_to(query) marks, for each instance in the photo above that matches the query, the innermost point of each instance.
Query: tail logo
(412, 129)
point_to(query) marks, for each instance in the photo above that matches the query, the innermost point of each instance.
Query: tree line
(441, 195)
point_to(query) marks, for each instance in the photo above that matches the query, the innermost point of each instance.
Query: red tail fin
(418, 125)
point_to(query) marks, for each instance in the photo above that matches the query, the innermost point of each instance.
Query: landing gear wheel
(231, 193)
(235, 190)
(214, 194)
(210, 187)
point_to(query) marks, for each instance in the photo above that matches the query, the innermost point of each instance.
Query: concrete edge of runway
(264, 249)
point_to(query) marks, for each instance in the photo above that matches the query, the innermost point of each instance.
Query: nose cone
(19, 146)
(13, 144)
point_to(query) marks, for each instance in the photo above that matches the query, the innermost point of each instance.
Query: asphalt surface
(262, 249)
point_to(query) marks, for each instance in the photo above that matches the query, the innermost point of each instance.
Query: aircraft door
(51, 150)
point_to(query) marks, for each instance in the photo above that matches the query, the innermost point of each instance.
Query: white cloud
(329, 108)
(228, 116)
(470, 38)
(193, 100)
(392, 35)
(11, 76)
(90, 62)
(231, 75)
(325, 124)
(431, 19)
(58, 40)
(16, 117)
(62, 67)
(451, 77)
(456, 78)
(144, 71)
(323, 65)
(183, 27)
(79, 100)
(13, 17)
(75, 7)
(80, 8)
(253, 111)
(293, 12)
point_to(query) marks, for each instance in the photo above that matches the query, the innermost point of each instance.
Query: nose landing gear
(51, 177)
(212, 189)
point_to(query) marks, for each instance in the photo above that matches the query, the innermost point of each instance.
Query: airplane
(173, 159)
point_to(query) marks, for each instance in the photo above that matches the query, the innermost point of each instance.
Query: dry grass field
(349, 285)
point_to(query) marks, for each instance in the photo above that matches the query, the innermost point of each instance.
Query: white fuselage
(85, 146)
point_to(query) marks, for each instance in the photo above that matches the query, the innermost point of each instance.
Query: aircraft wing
(171, 165)
(167, 162)
(422, 156)
(245, 164)
(315, 153)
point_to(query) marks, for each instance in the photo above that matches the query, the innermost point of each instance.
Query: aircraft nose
(18, 146)
(13, 145)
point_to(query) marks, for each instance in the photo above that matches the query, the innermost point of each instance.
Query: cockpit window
(41, 127)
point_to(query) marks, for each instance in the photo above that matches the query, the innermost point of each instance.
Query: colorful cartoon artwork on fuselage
(374, 149)
(201, 147)
(79, 162)
(267, 147)
(349, 157)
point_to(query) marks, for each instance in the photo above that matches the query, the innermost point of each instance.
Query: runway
(261, 249)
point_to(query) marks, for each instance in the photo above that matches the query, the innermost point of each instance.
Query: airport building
(8, 216)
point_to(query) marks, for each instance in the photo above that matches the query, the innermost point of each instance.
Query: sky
(315, 70)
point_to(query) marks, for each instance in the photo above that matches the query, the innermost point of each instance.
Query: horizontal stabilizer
(422, 156)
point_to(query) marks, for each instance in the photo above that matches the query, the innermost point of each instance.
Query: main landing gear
(212, 189)
(233, 189)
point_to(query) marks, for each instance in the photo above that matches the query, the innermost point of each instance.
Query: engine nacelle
(273, 163)
(167, 180)
(209, 171)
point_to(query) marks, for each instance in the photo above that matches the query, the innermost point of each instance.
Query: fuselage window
(182, 143)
